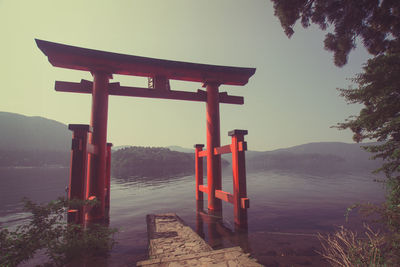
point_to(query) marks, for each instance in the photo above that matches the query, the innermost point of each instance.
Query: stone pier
(172, 243)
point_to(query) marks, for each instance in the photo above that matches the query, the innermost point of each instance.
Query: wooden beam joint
(116, 89)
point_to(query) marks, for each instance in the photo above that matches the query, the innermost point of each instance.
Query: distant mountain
(322, 157)
(326, 157)
(351, 151)
(19, 132)
(37, 141)
(33, 141)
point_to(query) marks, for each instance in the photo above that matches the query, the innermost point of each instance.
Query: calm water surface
(286, 210)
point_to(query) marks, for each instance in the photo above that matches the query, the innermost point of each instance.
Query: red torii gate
(102, 65)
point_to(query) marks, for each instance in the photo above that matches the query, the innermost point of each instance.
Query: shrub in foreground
(345, 248)
(48, 231)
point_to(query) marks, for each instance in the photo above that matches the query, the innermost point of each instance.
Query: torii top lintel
(78, 58)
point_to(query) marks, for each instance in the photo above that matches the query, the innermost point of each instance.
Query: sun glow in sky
(291, 99)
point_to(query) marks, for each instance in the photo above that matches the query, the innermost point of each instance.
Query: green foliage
(376, 23)
(47, 230)
(379, 91)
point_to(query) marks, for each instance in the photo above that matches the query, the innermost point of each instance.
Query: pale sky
(291, 99)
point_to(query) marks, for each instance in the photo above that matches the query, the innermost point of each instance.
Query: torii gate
(102, 65)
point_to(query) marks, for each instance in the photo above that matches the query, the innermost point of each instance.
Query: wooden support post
(99, 140)
(108, 180)
(199, 219)
(213, 140)
(198, 171)
(214, 240)
(199, 194)
(240, 200)
(77, 177)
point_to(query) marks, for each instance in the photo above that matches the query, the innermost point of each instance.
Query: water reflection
(40, 185)
(148, 181)
(217, 233)
(287, 209)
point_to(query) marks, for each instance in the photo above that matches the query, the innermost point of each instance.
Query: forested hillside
(150, 162)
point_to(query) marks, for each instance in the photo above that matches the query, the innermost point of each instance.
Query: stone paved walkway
(173, 244)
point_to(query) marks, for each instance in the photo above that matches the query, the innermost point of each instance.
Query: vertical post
(99, 140)
(214, 238)
(213, 140)
(199, 171)
(240, 200)
(199, 194)
(199, 219)
(77, 177)
(108, 180)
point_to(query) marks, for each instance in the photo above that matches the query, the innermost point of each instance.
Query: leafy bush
(47, 230)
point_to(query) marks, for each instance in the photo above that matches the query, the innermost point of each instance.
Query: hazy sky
(291, 99)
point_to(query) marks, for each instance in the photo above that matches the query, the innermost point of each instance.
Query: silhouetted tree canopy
(379, 91)
(375, 22)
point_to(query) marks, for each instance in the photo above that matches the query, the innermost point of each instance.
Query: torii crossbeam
(102, 65)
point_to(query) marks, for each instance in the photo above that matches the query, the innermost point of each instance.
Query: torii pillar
(214, 175)
(98, 162)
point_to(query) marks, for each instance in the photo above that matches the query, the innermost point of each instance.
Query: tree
(377, 24)
(379, 91)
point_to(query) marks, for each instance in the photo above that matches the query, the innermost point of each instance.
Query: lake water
(286, 210)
